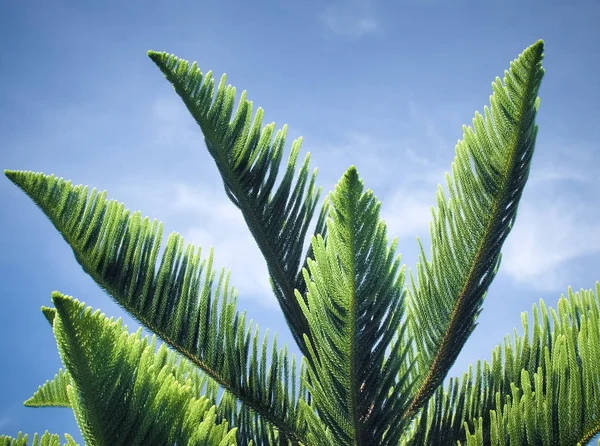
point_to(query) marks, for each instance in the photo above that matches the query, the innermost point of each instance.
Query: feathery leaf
(355, 303)
(542, 388)
(52, 393)
(120, 392)
(176, 300)
(249, 164)
(488, 175)
(47, 439)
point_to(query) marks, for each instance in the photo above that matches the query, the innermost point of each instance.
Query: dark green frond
(255, 429)
(173, 297)
(249, 160)
(119, 391)
(541, 388)
(468, 229)
(47, 439)
(52, 393)
(251, 429)
(355, 304)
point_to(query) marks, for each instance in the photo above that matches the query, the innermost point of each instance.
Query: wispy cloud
(193, 202)
(552, 230)
(560, 160)
(550, 233)
(404, 178)
(221, 225)
(428, 126)
(555, 227)
(351, 18)
(172, 124)
(407, 212)
(205, 217)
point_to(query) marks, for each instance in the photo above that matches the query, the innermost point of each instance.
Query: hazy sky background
(384, 85)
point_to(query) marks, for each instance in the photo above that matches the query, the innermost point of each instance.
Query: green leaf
(249, 427)
(47, 439)
(49, 314)
(355, 304)
(488, 176)
(249, 162)
(175, 299)
(52, 393)
(120, 393)
(540, 388)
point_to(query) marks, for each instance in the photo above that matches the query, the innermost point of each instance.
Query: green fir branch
(249, 164)
(468, 230)
(174, 297)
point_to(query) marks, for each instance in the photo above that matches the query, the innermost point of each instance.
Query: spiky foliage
(47, 439)
(469, 228)
(52, 393)
(552, 373)
(121, 391)
(249, 163)
(175, 299)
(375, 352)
(354, 303)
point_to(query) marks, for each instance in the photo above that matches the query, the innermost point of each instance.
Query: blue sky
(384, 85)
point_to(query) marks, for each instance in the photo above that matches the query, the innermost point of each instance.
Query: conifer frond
(249, 163)
(47, 439)
(120, 391)
(52, 393)
(256, 430)
(540, 388)
(251, 428)
(468, 229)
(177, 300)
(355, 303)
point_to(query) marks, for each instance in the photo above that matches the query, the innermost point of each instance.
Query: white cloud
(555, 227)
(429, 127)
(567, 163)
(350, 18)
(552, 230)
(404, 178)
(549, 233)
(173, 124)
(559, 173)
(199, 210)
(417, 158)
(218, 223)
(205, 217)
(407, 213)
(557, 224)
